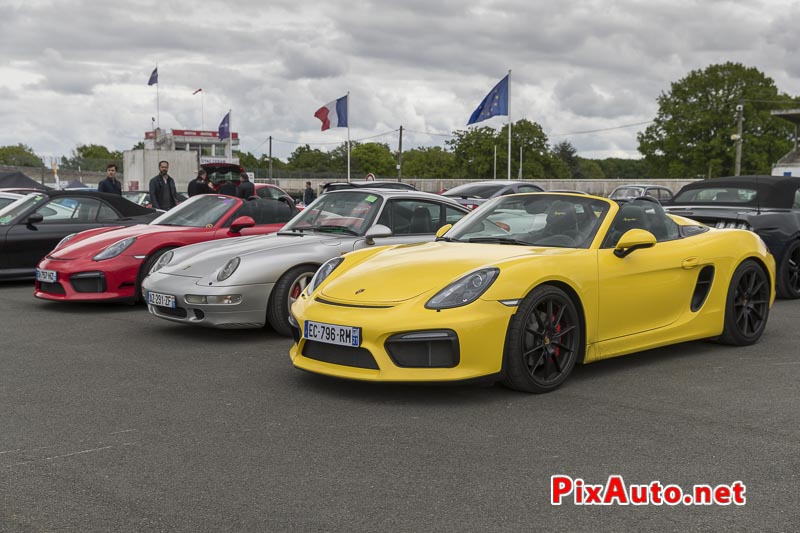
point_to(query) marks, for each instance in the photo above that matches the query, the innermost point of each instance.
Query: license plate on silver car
(161, 300)
(332, 333)
(48, 276)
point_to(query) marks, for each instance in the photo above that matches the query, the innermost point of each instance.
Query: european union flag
(225, 127)
(153, 77)
(495, 103)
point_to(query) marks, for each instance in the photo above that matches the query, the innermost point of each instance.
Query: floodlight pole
(739, 119)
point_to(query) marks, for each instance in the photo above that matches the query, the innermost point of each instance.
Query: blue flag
(495, 103)
(153, 77)
(225, 127)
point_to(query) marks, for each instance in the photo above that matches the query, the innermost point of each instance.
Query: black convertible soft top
(125, 207)
(771, 191)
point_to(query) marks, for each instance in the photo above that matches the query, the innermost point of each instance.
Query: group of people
(163, 194)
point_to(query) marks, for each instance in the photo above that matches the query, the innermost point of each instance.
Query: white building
(789, 165)
(184, 150)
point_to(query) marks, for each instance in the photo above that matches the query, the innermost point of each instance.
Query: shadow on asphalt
(481, 391)
(180, 332)
(85, 308)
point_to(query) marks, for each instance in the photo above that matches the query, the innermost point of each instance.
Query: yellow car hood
(404, 272)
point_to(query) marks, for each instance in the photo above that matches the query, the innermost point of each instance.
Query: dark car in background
(36, 223)
(471, 195)
(626, 192)
(767, 205)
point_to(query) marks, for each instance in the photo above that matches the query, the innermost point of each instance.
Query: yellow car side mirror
(632, 240)
(444, 229)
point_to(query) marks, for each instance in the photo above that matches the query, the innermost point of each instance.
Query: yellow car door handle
(690, 263)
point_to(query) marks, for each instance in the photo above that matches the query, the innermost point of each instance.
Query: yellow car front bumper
(480, 328)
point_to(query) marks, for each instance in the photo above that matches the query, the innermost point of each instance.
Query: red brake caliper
(557, 349)
(296, 290)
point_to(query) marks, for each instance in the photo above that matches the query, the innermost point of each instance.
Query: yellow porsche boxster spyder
(527, 286)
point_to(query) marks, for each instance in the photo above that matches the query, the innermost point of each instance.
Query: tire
(283, 294)
(747, 305)
(145, 270)
(788, 282)
(543, 342)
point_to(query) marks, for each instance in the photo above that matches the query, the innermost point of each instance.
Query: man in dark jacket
(308, 194)
(110, 183)
(162, 189)
(245, 189)
(199, 185)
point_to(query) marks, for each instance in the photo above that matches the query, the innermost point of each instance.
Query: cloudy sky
(76, 72)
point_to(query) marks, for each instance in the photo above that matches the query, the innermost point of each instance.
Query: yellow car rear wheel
(543, 341)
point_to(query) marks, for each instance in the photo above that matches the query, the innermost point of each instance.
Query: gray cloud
(77, 71)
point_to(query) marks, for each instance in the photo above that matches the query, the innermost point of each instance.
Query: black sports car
(767, 205)
(33, 225)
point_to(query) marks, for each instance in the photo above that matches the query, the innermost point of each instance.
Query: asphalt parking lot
(112, 420)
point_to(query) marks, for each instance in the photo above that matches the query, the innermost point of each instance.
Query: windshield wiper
(332, 228)
(501, 240)
(447, 239)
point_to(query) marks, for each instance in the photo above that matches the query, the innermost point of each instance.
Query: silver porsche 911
(250, 281)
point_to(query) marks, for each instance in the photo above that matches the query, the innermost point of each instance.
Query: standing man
(245, 189)
(162, 189)
(110, 183)
(308, 194)
(199, 185)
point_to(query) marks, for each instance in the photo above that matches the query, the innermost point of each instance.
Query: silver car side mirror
(376, 232)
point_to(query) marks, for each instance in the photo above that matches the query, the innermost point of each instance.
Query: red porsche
(110, 263)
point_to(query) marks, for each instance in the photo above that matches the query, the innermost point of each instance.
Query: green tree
(338, 157)
(624, 169)
(19, 155)
(589, 169)
(473, 150)
(310, 159)
(429, 162)
(691, 134)
(538, 161)
(567, 153)
(246, 159)
(91, 157)
(373, 157)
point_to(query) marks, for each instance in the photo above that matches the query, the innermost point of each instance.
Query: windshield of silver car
(347, 212)
(10, 212)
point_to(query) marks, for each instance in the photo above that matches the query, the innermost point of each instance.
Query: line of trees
(690, 136)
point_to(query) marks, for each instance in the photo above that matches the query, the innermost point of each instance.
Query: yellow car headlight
(323, 272)
(464, 290)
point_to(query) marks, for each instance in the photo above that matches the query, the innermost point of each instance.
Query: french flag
(333, 114)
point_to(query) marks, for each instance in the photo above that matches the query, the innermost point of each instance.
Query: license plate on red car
(332, 333)
(47, 276)
(161, 300)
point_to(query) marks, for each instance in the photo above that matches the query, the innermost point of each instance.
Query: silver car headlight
(229, 268)
(63, 241)
(115, 249)
(464, 290)
(163, 261)
(323, 272)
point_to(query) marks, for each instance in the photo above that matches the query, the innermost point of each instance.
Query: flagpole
(230, 138)
(158, 116)
(202, 112)
(508, 87)
(348, 136)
